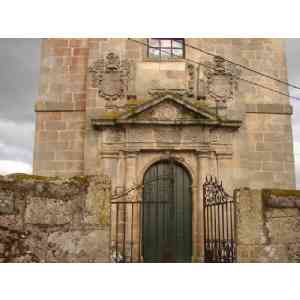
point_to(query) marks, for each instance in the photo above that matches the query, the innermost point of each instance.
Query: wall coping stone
(61, 106)
(275, 198)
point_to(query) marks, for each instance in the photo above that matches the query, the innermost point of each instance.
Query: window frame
(160, 48)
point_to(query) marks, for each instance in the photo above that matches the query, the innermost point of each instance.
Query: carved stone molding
(110, 76)
(157, 93)
(166, 111)
(115, 135)
(139, 134)
(167, 135)
(221, 80)
(220, 136)
(191, 80)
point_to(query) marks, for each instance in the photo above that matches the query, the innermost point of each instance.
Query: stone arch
(178, 160)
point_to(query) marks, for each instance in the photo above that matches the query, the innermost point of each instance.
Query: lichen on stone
(24, 176)
(112, 115)
(267, 193)
(135, 102)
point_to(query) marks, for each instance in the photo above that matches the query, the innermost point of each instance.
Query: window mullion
(165, 48)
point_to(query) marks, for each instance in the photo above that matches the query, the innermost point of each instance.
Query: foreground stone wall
(268, 226)
(49, 219)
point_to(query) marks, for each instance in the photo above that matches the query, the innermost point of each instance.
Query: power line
(214, 69)
(243, 66)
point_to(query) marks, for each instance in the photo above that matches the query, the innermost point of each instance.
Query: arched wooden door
(167, 213)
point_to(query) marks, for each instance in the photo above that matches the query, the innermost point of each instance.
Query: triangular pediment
(167, 108)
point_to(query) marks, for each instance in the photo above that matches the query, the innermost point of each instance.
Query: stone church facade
(118, 107)
(105, 106)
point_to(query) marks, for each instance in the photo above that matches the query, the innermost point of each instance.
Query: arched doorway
(167, 213)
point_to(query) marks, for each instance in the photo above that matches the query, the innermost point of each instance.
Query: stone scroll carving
(111, 76)
(166, 111)
(221, 80)
(191, 80)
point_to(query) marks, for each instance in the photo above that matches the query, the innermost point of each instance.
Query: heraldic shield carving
(221, 80)
(110, 76)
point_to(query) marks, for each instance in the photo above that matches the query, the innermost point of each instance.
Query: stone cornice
(55, 106)
(52, 106)
(203, 116)
(270, 108)
(98, 123)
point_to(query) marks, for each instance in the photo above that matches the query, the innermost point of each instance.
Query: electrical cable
(234, 76)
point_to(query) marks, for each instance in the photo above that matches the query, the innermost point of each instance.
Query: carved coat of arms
(110, 76)
(221, 80)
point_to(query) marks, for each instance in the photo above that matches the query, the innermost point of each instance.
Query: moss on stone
(266, 193)
(104, 215)
(23, 176)
(131, 109)
(205, 107)
(135, 102)
(112, 115)
(200, 104)
(80, 179)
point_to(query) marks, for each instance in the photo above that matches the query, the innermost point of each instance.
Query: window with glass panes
(165, 48)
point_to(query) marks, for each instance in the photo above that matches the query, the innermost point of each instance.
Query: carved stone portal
(110, 76)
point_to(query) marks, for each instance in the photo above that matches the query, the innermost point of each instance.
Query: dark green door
(167, 214)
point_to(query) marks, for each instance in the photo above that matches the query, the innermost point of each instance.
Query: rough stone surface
(55, 219)
(6, 203)
(48, 211)
(268, 232)
(78, 246)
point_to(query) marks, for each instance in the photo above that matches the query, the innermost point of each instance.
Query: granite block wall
(51, 219)
(268, 226)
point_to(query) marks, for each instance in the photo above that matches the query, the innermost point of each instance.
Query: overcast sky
(19, 71)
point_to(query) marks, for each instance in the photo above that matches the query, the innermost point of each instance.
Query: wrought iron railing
(219, 223)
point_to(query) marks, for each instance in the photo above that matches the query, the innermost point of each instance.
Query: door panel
(167, 214)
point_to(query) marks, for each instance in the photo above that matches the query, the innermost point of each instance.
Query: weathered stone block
(284, 230)
(250, 218)
(80, 51)
(78, 246)
(97, 205)
(45, 155)
(55, 125)
(260, 156)
(13, 246)
(68, 155)
(6, 202)
(273, 166)
(62, 51)
(278, 226)
(47, 211)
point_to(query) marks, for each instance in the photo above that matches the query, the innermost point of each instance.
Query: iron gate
(131, 242)
(158, 228)
(219, 223)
